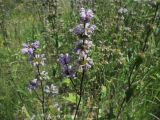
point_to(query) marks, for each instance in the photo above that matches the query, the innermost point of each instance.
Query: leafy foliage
(123, 83)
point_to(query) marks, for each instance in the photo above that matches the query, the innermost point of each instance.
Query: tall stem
(42, 90)
(81, 85)
(80, 96)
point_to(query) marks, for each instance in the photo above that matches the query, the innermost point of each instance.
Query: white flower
(44, 75)
(51, 89)
(122, 10)
(128, 29)
(39, 59)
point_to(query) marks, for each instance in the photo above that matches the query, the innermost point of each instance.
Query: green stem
(80, 97)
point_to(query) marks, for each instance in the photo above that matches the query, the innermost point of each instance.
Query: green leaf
(103, 90)
(21, 92)
(71, 98)
(24, 110)
(96, 18)
(67, 81)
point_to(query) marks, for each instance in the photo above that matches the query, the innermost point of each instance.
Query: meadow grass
(123, 84)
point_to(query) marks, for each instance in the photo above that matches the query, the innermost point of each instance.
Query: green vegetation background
(116, 51)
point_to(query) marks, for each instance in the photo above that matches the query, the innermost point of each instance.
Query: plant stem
(74, 86)
(130, 75)
(120, 109)
(82, 79)
(37, 96)
(42, 90)
(81, 92)
(149, 31)
(43, 100)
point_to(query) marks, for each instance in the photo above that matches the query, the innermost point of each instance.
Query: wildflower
(51, 89)
(85, 64)
(91, 29)
(33, 85)
(44, 75)
(82, 47)
(68, 71)
(64, 59)
(38, 59)
(35, 44)
(127, 29)
(30, 48)
(80, 30)
(122, 10)
(86, 15)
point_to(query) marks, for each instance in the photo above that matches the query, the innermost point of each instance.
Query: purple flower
(86, 15)
(30, 48)
(89, 14)
(78, 30)
(35, 44)
(33, 85)
(91, 29)
(83, 47)
(64, 59)
(85, 64)
(27, 49)
(82, 14)
(68, 71)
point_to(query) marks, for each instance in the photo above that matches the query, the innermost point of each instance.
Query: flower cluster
(33, 85)
(29, 49)
(37, 60)
(44, 75)
(36, 82)
(67, 70)
(81, 30)
(86, 15)
(51, 89)
(84, 32)
(122, 11)
(82, 47)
